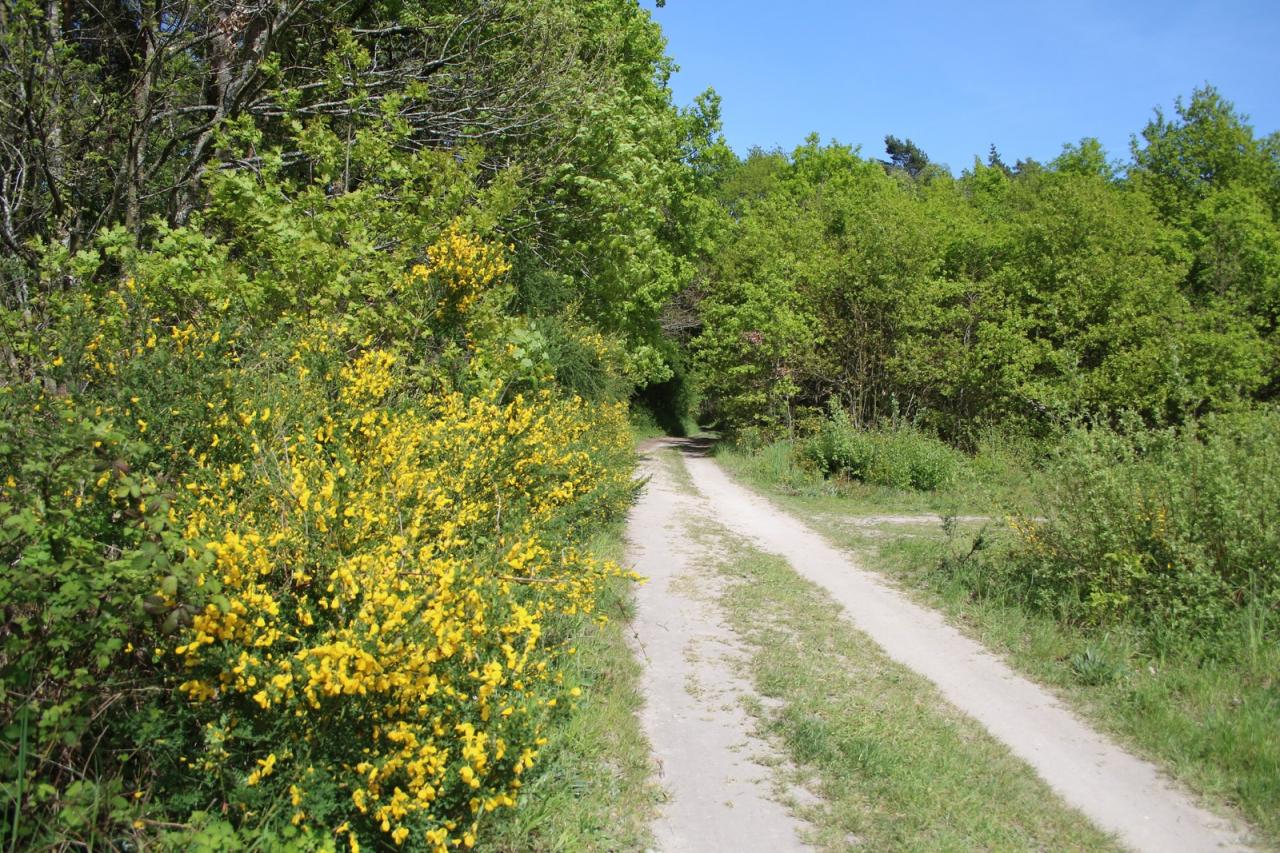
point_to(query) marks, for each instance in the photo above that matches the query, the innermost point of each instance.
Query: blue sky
(957, 77)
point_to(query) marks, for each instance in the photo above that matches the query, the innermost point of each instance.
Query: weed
(1092, 667)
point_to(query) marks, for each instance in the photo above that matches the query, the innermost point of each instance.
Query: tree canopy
(1034, 295)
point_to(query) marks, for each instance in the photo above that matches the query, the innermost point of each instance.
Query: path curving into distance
(719, 797)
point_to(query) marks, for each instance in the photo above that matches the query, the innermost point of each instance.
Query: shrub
(270, 581)
(79, 541)
(902, 457)
(383, 571)
(1174, 530)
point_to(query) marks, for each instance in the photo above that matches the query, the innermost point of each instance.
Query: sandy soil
(718, 797)
(704, 753)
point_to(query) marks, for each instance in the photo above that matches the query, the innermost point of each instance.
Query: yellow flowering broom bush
(293, 584)
(375, 585)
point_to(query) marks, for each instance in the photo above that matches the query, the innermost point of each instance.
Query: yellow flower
(349, 528)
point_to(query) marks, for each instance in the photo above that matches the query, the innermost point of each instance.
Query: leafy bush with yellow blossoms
(287, 579)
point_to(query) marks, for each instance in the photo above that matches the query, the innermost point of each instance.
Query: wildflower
(349, 542)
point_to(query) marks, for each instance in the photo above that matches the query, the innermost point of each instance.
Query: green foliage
(1088, 157)
(668, 405)
(134, 421)
(1092, 667)
(905, 155)
(1234, 243)
(79, 561)
(902, 457)
(351, 274)
(331, 135)
(1103, 335)
(1171, 530)
(1208, 146)
(1020, 298)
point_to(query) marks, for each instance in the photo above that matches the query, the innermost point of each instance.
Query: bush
(383, 573)
(901, 457)
(270, 581)
(81, 543)
(1174, 530)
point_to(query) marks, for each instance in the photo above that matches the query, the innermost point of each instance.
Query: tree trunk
(54, 158)
(136, 152)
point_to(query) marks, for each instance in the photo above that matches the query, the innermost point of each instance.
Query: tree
(1025, 298)
(1207, 146)
(905, 155)
(1087, 157)
(995, 161)
(117, 112)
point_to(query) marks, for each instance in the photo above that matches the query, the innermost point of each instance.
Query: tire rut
(705, 754)
(1119, 792)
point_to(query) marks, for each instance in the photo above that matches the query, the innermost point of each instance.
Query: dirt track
(703, 748)
(719, 796)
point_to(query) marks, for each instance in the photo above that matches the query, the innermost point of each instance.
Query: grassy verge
(594, 791)
(994, 483)
(1213, 723)
(894, 765)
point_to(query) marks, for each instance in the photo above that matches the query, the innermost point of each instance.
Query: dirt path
(693, 716)
(694, 741)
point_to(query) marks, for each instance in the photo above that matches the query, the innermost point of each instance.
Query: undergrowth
(296, 581)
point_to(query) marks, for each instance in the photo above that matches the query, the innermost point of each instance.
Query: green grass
(594, 790)
(992, 482)
(1212, 723)
(894, 765)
